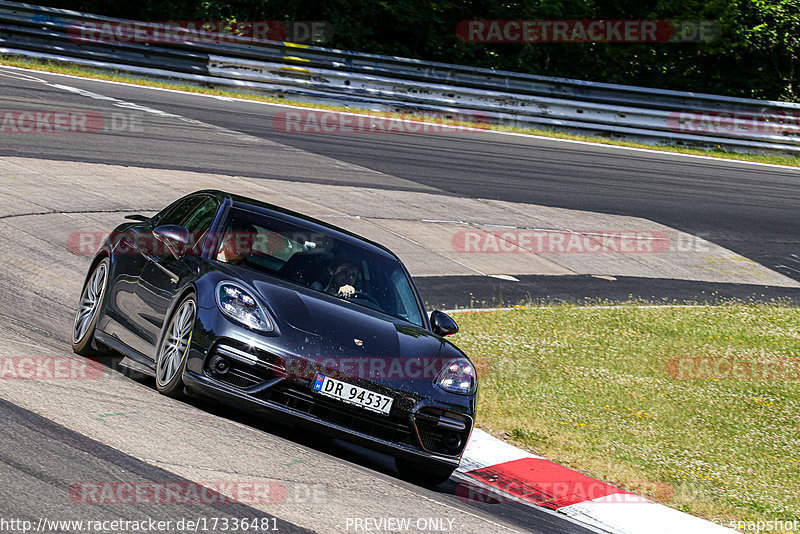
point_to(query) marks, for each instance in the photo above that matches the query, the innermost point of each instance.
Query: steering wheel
(365, 296)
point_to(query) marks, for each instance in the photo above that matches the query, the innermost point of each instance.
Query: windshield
(318, 261)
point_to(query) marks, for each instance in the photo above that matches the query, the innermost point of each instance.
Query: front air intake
(442, 431)
(243, 367)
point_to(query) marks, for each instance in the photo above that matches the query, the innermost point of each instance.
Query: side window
(180, 211)
(199, 221)
(406, 305)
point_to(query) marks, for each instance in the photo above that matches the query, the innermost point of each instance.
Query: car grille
(394, 428)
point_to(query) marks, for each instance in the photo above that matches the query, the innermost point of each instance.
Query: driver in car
(342, 281)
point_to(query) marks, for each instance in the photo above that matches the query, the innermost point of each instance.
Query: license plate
(369, 400)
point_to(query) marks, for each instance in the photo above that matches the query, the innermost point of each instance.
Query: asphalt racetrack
(115, 427)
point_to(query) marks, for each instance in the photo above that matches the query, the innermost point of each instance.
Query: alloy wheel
(176, 343)
(90, 302)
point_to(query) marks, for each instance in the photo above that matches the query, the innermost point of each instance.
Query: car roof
(300, 219)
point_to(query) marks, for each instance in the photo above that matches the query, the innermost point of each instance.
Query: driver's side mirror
(175, 237)
(443, 324)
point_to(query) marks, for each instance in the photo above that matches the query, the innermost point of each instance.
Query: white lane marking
(781, 266)
(137, 107)
(793, 258)
(531, 136)
(504, 277)
(163, 114)
(21, 76)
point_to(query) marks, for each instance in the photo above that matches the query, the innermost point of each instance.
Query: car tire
(173, 348)
(426, 473)
(88, 312)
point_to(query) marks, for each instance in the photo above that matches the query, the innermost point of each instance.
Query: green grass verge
(60, 68)
(602, 390)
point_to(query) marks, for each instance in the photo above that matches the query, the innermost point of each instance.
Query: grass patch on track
(177, 85)
(611, 392)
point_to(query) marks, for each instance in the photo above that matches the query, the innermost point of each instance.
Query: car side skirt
(120, 347)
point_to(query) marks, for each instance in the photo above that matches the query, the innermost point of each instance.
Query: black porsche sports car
(285, 316)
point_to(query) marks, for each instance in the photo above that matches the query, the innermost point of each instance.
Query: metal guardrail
(326, 75)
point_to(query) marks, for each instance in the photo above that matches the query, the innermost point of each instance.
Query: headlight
(241, 306)
(458, 376)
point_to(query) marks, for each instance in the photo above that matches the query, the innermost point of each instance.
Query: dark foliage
(755, 56)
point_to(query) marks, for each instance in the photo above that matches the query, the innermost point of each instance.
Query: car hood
(334, 328)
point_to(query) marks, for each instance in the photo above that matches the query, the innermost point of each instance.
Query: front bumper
(286, 415)
(425, 424)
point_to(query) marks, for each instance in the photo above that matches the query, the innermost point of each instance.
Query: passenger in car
(237, 244)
